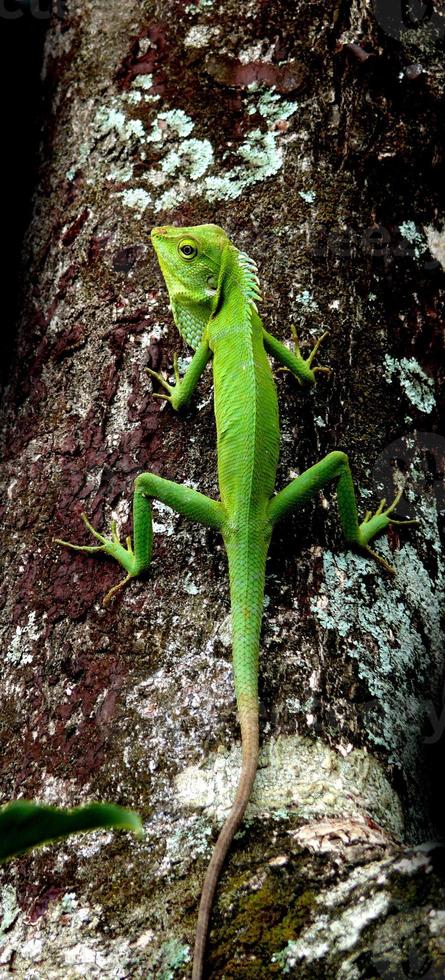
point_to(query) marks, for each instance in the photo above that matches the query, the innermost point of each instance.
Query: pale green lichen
(185, 163)
(193, 156)
(134, 98)
(186, 160)
(297, 775)
(436, 243)
(224, 187)
(261, 158)
(199, 35)
(262, 154)
(306, 299)
(409, 231)
(141, 86)
(109, 119)
(333, 935)
(297, 950)
(121, 173)
(396, 635)
(9, 908)
(69, 902)
(270, 104)
(416, 384)
(20, 648)
(189, 841)
(81, 158)
(142, 81)
(190, 586)
(166, 123)
(136, 198)
(184, 363)
(195, 8)
(308, 196)
(173, 956)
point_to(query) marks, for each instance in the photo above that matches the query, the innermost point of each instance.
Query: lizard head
(190, 261)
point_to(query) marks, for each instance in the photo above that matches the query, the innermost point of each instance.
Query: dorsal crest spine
(250, 282)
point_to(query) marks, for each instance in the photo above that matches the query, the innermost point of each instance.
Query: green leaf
(24, 824)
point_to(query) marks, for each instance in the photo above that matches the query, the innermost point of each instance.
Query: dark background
(22, 31)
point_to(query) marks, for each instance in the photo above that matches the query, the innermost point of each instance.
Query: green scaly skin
(213, 290)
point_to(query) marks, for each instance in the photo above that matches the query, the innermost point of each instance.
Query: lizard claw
(286, 370)
(308, 360)
(393, 506)
(85, 547)
(110, 546)
(382, 561)
(158, 394)
(372, 524)
(323, 370)
(383, 511)
(314, 352)
(161, 380)
(116, 588)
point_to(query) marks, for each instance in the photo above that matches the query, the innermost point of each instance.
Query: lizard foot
(314, 351)
(161, 380)
(309, 371)
(110, 546)
(372, 524)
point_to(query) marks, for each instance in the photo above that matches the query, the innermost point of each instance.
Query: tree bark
(312, 133)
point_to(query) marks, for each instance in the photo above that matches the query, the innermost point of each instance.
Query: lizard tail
(246, 574)
(249, 735)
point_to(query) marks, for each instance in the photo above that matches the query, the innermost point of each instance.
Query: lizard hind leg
(136, 558)
(335, 467)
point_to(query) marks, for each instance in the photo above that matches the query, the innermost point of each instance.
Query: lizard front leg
(293, 361)
(135, 558)
(335, 466)
(180, 393)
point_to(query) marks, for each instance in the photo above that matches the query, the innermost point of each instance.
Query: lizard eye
(187, 248)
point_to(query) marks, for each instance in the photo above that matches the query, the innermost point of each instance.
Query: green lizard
(213, 289)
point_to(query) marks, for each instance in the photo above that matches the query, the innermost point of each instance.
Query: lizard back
(246, 412)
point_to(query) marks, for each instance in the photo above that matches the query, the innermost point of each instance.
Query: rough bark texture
(311, 132)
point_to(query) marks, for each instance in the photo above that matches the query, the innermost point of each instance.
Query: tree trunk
(312, 134)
